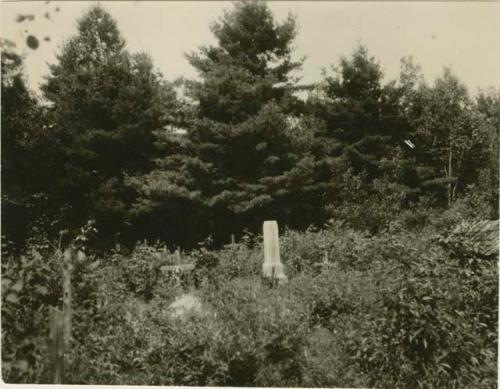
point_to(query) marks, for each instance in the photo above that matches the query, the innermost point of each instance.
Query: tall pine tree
(361, 113)
(246, 155)
(105, 105)
(371, 163)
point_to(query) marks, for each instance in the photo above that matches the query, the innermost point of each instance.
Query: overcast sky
(462, 35)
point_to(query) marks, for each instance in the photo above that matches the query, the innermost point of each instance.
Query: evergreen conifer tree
(105, 105)
(367, 132)
(246, 156)
(361, 113)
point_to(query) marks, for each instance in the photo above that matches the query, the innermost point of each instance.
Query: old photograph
(250, 194)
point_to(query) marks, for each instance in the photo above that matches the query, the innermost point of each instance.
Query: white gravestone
(272, 267)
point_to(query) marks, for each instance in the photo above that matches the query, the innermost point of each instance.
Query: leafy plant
(30, 283)
(140, 270)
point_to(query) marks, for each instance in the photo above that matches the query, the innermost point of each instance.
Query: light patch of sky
(461, 35)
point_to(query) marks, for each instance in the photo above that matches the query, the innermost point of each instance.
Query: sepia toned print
(250, 194)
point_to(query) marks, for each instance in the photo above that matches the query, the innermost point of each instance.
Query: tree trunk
(450, 174)
(56, 346)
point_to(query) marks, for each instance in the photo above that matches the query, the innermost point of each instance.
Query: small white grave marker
(187, 303)
(272, 267)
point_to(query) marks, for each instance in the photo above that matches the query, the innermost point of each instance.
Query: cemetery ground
(396, 286)
(402, 308)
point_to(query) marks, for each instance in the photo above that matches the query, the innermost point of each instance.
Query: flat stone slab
(184, 304)
(177, 268)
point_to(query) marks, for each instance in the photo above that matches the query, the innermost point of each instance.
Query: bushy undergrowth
(30, 283)
(396, 309)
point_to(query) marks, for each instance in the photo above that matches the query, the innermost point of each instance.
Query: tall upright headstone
(272, 267)
(178, 256)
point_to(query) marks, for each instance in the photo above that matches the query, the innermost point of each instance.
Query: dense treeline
(112, 140)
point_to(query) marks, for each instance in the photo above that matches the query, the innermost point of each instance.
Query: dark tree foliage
(361, 113)
(488, 103)
(105, 105)
(451, 137)
(367, 131)
(18, 108)
(26, 152)
(404, 141)
(113, 141)
(247, 155)
(251, 66)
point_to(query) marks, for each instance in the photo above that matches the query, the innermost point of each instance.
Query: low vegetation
(386, 310)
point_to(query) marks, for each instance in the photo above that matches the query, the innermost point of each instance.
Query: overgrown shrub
(251, 336)
(335, 293)
(265, 334)
(30, 283)
(394, 309)
(206, 262)
(431, 333)
(238, 260)
(305, 252)
(405, 312)
(141, 268)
